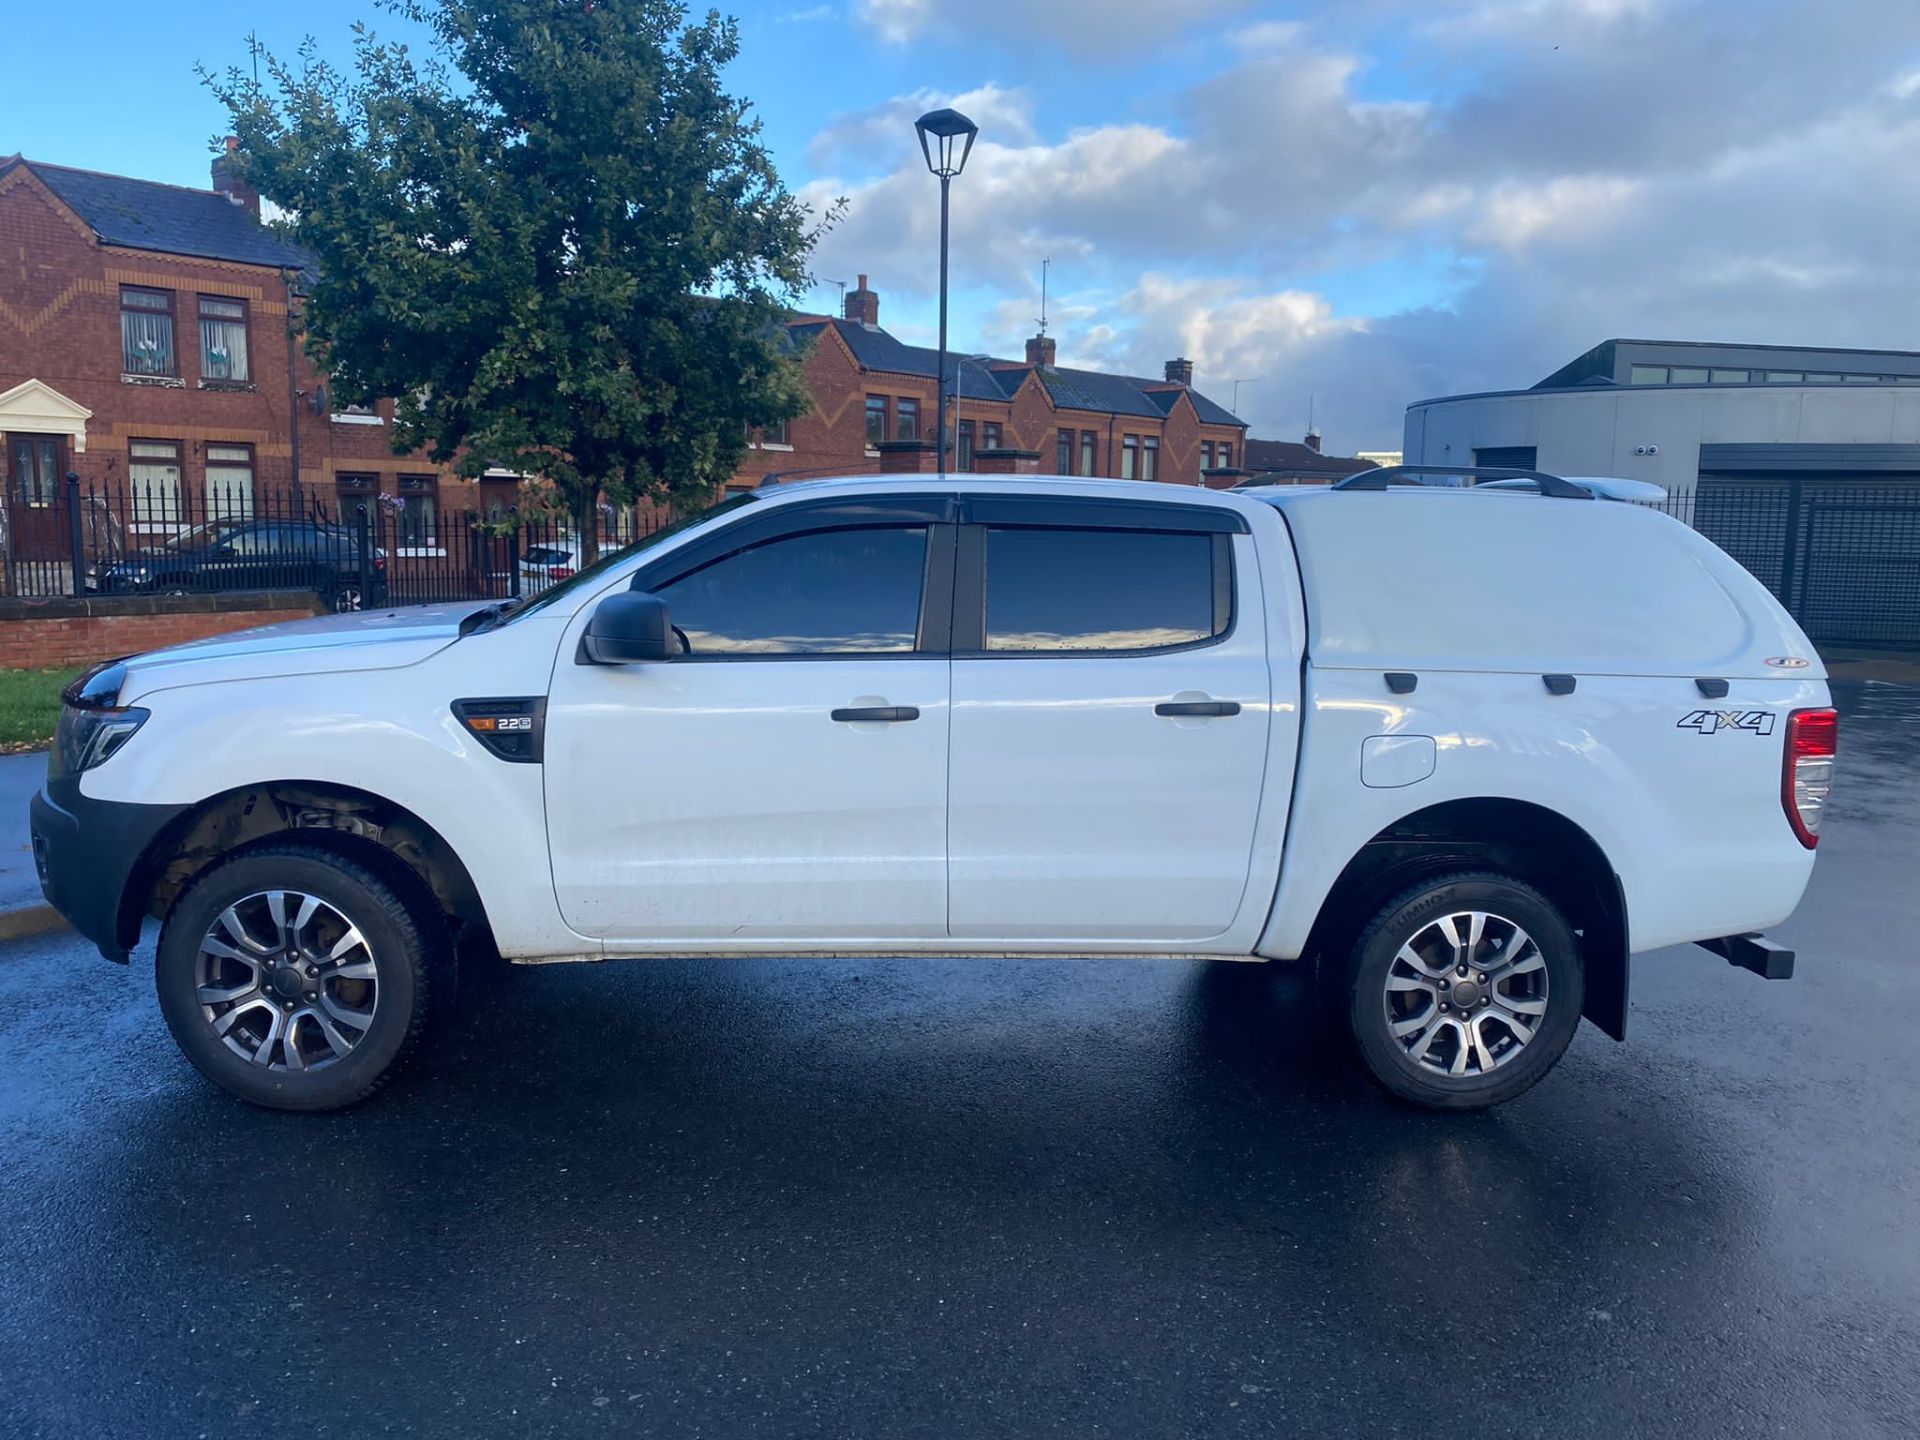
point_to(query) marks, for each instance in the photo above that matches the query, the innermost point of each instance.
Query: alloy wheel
(287, 981)
(1466, 993)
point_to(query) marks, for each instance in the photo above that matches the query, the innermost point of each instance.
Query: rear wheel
(1464, 991)
(347, 596)
(296, 977)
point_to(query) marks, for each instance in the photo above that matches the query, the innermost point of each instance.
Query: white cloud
(1575, 169)
(1106, 26)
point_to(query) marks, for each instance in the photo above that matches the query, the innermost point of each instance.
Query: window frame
(1064, 443)
(173, 331)
(903, 407)
(981, 513)
(963, 445)
(1089, 467)
(244, 321)
(1129, 457)
(1150, 457)
(877, 405)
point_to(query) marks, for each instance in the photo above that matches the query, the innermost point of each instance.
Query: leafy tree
(556, 240)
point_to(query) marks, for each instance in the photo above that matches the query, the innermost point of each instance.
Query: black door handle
(1213, 708)
(882, 714)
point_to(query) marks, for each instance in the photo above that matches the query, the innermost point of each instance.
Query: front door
(36, 502)
(785, 780)
(1111, 704)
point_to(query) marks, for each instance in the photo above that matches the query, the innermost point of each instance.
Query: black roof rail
(1389, 475)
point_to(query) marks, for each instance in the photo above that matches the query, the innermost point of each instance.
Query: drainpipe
(293, 393)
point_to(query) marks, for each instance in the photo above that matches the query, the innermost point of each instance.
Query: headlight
(93, 724)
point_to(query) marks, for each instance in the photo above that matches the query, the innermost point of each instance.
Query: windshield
(596, 571)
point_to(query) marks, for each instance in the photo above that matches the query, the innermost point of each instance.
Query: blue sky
(1356, 204)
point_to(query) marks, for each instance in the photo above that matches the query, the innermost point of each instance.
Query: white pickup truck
(1464, 749)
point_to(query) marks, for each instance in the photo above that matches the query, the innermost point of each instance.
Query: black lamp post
(946, 139)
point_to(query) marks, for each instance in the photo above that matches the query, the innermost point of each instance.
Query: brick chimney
(1040, 351)
(1180, 372)
(1312, 441)
(227, 181)
(863, 306)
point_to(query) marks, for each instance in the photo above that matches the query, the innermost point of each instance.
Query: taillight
(379, 562)
(1807, 778)
(560, 572)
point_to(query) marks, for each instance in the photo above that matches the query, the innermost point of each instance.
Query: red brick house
(144, 342)
(871, 390)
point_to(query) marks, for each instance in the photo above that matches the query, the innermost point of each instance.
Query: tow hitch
(1753, 952)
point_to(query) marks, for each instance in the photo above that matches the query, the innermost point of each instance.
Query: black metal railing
(354, 550)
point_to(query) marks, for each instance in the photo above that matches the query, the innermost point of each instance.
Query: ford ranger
(1465, 749)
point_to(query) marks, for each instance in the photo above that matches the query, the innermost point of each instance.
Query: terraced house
(144, 345)
(874, 407)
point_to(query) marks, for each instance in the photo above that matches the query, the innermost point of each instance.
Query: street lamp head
(946, 139)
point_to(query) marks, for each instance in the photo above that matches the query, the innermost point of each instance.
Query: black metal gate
(1841, 553)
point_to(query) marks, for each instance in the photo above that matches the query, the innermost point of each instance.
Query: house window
(1206, 454)
(1063, 453)
(1150, 457)
(906, 419)
(223, 339)
(1129, 457)
(153, 467)
(1225, 454)
(990, 435)
(876, 419)
(966, 445)
(229, 482)
(780, 432)
(1089, 452)
(146, 332)
(415, 530)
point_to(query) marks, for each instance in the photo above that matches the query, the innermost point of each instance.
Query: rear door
(1111, 705)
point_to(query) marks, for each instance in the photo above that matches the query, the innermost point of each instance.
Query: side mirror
(630, 627)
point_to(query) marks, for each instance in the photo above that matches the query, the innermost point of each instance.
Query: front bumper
(86, 851)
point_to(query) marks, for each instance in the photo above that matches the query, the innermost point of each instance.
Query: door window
(36, 469)
(827, 592)
(1103, 590)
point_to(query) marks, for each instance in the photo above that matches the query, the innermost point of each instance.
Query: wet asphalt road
(992, 1198)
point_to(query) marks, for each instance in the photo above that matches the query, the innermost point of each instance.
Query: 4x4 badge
(1712, 722)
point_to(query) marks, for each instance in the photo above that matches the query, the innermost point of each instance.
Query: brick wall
(63, 632)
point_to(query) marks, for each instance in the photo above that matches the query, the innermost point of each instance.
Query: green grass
(30, 705)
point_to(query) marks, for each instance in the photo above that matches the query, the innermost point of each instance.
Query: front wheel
(296, 977)
(1464, 991)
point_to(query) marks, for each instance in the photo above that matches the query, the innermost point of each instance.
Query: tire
(1404, 974)
(371, 995)
(346, 597)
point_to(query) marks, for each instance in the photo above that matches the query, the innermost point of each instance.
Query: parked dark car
(255, 555)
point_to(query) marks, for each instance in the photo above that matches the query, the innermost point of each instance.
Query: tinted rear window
(1099, 590)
